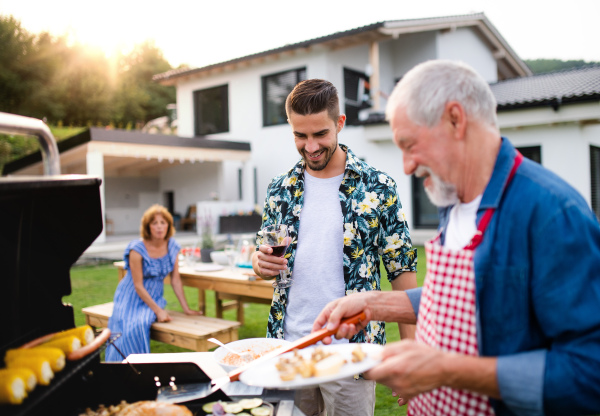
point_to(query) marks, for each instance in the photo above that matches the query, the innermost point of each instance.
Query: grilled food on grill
(38, 364)
(85, 333)
(54, 355)
(27, 375)
(142, 408)
(67, 343)
(12, 387)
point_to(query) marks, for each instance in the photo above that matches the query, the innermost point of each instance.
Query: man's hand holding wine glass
(269, 261)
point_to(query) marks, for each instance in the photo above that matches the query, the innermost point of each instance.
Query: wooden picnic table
(232, 287)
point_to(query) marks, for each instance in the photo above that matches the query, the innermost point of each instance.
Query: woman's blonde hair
(148, 217)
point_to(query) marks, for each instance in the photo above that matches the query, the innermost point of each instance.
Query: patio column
(95, 167)
(374, 75)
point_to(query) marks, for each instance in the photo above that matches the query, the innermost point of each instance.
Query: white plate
(266, 375)
(208, 267)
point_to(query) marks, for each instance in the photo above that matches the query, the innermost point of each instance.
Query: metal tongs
(187, 392)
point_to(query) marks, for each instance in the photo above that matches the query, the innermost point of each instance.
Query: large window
(211, 110)
(595, 178)
(275, 89)
(356, 94)
(532, 152)
(425, 214)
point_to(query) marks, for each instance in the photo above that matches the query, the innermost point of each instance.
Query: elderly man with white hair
(507, 319)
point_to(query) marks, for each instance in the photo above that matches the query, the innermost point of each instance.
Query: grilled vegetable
(12, 387)
(39, 365)
(67, 344)
(54, 355)
(27, 375)
(85, 333)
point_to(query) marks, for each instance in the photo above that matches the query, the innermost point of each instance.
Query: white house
(554, 118)
(365, 63)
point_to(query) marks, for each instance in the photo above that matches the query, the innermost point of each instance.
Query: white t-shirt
(462, 224)
(318, 275)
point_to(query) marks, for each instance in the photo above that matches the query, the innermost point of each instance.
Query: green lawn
(92, 285)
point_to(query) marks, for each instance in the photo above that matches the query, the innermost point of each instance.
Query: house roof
(555, 88)
(509, 64)
(133, 152)
(549, 89)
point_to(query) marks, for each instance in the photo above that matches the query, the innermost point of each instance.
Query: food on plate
(320, 363)
(12, 387)
(235, 360)
(84, 333)
(329, 366)
(38, 364)
(55, 356)
(145, 408)
(67, 343)
(358, 354)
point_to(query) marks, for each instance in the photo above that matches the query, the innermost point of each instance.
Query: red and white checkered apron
(447, 319)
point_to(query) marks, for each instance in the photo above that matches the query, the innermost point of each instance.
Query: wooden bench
(184, 331)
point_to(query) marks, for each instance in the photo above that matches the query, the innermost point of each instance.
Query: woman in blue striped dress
(139, 300)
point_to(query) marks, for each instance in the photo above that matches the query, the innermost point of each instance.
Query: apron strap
(487, 215)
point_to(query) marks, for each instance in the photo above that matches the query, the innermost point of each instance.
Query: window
(275, 89)
(532, 152)
(356, 94)
(595, 179)
(425, 214)
(211, 110)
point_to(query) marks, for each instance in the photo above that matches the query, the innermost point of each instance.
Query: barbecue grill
(47, 223)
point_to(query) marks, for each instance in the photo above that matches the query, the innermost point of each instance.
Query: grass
(92, 285)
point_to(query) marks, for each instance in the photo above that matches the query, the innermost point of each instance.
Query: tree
(17, 76)
(139, 99)
(44, 77)
(540, 66)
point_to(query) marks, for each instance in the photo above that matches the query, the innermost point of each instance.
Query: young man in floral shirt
(342, 215)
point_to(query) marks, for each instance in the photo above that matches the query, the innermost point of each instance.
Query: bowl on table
(219, 257)
(256, 346)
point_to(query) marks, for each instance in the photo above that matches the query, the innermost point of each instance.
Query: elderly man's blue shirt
(538, 291)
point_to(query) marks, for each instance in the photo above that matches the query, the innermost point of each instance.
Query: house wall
(126, 199)
(191, 183)
(464, 45)
(273, 151)
(565, 150)
(406, 52)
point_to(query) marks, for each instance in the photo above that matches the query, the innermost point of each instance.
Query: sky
(199, 33)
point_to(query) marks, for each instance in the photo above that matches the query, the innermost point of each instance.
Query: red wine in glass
(279, 251)
(277, 237)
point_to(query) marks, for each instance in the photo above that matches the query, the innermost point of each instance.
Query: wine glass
(231, 253)
(191, 255)
(277, 237)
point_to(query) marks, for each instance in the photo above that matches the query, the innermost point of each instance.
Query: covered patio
(139, 169)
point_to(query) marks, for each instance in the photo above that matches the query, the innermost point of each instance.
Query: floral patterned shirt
(374, 225)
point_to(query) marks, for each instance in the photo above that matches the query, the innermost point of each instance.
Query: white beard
(440, 193)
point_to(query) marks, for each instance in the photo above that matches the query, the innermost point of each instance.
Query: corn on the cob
(26, 374)
(39, 365)
(85, 333)
(12, 387)
(67, 344)
(55, 356)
